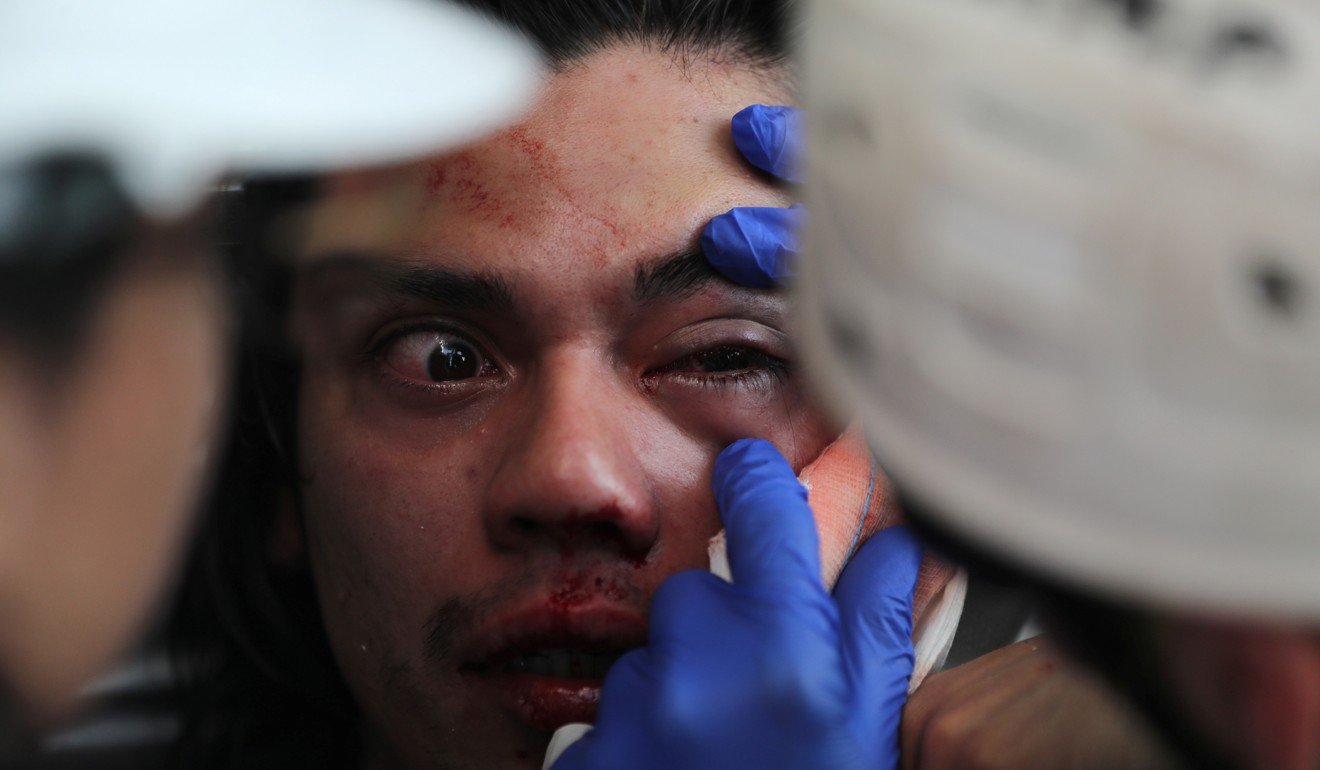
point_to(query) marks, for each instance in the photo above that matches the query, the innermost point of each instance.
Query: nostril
(601, 530)
(525, 526)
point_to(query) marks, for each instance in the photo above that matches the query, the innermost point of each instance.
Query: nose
(573, 477)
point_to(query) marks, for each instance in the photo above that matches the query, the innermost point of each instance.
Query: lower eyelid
(759, 378)
(457, 389)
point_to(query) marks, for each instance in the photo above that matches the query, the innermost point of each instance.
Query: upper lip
(605, 629)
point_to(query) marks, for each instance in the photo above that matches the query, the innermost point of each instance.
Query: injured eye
(729, 359)
(434, 356)
(727, 366)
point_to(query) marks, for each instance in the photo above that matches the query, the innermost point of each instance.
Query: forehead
(624, 158)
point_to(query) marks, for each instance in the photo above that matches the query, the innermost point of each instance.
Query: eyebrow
(674, 277)
(453, 289)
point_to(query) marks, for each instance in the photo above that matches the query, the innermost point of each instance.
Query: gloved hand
(756, 246)
(768, 671)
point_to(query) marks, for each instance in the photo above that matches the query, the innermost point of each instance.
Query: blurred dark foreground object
(64, 225)
(112, 363)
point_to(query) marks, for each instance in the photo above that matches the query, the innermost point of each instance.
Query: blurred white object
(565, 736)
(1064, 259)
(177, 91)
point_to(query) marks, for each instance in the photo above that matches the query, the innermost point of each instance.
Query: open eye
(435, 356)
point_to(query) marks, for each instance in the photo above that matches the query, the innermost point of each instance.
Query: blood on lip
(546, 702)
(575, 590)
(550, 706)
(579, 620)
(566, 626)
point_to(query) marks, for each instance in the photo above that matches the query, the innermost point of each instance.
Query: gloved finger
(695, 624)
(629, 685)
(626, 699)
(684, 605)
(773, 543)
(874, 597)
(770, 139)
(754, 246)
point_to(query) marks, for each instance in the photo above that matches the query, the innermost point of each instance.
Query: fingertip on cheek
(799, 452)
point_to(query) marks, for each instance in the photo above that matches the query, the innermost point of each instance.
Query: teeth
(562, 663)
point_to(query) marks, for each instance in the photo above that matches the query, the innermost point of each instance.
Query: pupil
(452, 361)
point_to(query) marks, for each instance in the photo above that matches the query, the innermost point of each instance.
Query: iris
(453, 359)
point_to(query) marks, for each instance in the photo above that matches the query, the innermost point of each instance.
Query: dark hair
(256, 679)
(755, 32)
(258, 684)
(68, 231)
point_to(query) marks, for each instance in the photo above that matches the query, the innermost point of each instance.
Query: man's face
(517, 373)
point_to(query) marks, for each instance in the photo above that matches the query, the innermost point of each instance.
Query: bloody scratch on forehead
(435, 176)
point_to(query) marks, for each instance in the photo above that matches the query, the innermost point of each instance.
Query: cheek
(784, 417)
(390, 532)
(679, 463)
(706, 424)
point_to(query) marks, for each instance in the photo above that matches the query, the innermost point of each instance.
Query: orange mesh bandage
(852, 499)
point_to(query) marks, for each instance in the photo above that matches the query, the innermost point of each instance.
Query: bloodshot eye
(434, 356)
(728, 366)
(727, 359)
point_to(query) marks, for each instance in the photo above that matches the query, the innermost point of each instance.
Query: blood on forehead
(625, 156)
(517, 181)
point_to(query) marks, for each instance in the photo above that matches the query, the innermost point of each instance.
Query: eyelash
(761, 379)
(770, 372)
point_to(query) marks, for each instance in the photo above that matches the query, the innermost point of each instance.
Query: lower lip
(546, 702)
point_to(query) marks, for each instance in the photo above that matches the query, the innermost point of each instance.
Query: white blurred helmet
(1064, 258)
(173, 92)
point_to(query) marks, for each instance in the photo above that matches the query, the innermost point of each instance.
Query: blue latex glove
(769, 671)
(757, 246)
